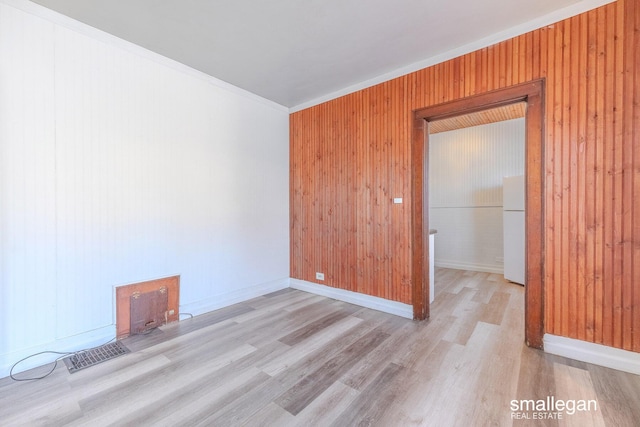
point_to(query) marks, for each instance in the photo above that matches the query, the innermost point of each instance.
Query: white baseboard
(602, 355)
(233, 297)
(100, 336)
(380, 304)
(103, 335)
(483, 268)
(74, 343)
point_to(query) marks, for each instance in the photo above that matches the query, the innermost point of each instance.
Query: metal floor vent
(93, 356)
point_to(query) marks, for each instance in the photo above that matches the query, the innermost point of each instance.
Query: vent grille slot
(87, 358)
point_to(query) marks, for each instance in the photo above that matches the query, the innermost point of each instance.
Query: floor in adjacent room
(294, 358)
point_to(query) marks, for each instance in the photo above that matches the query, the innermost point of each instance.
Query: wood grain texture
(508, 112)
(590, 163)
(124, 293)
(368, 368)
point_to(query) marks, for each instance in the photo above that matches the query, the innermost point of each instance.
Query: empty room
(320, 213)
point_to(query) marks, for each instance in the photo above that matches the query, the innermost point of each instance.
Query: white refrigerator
(513, 191)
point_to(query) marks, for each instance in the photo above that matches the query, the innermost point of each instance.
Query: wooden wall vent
(146, 305)
(148, 310)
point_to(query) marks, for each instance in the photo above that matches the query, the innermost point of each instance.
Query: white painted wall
(466, 168)
(117, 166)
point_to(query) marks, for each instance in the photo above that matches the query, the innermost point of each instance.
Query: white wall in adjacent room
(466, 168)
(117, 168)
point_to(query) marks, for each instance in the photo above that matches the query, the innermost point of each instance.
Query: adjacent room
(404, 213)
(470, 157)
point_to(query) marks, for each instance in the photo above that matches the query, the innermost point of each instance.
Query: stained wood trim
(533, 94)
(419, 227)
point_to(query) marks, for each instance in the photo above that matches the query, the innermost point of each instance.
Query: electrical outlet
(319, 276)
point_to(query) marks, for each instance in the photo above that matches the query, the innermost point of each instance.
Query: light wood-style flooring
(293, 358)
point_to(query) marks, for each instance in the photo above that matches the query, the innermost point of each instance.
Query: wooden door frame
(533, 94)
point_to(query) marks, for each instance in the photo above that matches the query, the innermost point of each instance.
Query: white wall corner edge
(597, 354)
(78, 342)
(54, 17)
(234, 297)
(368, 301)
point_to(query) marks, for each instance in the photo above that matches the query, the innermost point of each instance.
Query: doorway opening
(476, 192)
(531, 94)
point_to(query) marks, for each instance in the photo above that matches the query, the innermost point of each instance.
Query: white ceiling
(296, 51)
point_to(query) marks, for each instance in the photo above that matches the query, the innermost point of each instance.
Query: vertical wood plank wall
(350, 158)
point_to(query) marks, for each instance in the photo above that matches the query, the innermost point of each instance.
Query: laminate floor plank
(457, 304)
(494, 310)
(269, 416)
(422, 383)
(262, 331)
(370, 405)
(209, 393)
(454, 382)
(291, 358)
(124, 401)
(274, 301)
(65, 413)
(309, 346)
(295, 320)
(203, 407)
(20, 397)
(467, 280)
(535, 381)
(466, 320)
(616, 391)
(303, 366)
(312, 385)
(280, 292)
(499, 384)
(293, 300)
(84, 389)
(314, 327)
(374, 362)
(574, 384)
(247, 405)
(60, 408)
(430, 396)
(208, 407)
(423, 341)
(328, 406)
(312, 299)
